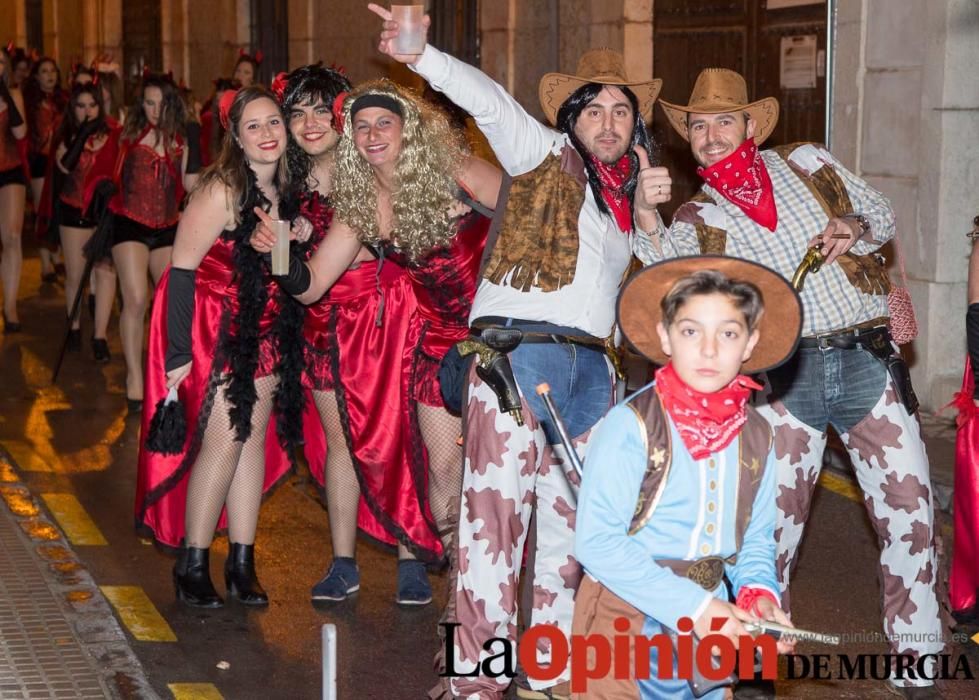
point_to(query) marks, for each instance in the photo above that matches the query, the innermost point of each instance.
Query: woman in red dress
(151, 174)
(401, 172)
(230, 340)
(86, 154)
(13, 183)
(45, 101)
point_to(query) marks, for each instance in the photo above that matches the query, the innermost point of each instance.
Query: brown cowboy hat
(719, 90)
(603, 66)
(780, 326)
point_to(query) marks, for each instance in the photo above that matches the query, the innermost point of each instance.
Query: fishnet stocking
(228, 472)
(440, 431)
(342, 487)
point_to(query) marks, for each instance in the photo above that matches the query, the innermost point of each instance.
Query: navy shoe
(413, 586)
(340, 581)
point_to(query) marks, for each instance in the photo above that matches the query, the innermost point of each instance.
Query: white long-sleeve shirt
(521, 143)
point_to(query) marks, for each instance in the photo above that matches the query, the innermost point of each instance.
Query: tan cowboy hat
(720, 90)
(603, 66)
(780, 326)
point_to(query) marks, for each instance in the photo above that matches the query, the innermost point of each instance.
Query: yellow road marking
(194, 691)
(975, 638)
(840, 485)
(139, 614)
(74, 521)
(26, 458)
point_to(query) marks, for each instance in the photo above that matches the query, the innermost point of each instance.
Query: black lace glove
(297, 280)
(194, 163)
(74, 153)
(14, 118)
(972, 340)
(180, 317)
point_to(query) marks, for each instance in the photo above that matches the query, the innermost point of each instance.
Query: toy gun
(811, 262)
(778, 631)
(544, 391)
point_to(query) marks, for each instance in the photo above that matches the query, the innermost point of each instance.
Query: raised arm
(518, 140)
(482, 179)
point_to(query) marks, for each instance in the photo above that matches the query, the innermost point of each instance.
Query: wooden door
(270, 35)
(745, 36)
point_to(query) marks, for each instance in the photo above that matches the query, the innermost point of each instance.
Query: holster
(493, 365)
(880, 347)
(699, 685)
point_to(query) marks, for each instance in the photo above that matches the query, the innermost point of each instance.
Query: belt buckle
(707, 572)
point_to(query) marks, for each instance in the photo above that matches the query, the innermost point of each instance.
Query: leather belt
(537, 336)
(849, 338)
(707, 572)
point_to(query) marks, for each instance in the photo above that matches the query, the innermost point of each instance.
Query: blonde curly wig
(431, 154)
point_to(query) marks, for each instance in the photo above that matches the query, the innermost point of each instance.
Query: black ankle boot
(192, 579)
(240, 578)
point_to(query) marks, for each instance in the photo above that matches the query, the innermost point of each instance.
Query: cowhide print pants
(511, 473)
(851, 390)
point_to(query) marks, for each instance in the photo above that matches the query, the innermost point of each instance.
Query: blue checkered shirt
(829, 301)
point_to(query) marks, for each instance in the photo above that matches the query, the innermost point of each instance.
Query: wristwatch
(861, 220)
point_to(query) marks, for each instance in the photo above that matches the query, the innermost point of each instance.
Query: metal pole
(329, 662)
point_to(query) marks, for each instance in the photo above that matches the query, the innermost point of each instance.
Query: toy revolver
(811, 262)
(778, 631)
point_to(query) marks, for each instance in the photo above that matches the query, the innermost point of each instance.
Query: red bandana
(743, 180)
(707, 423)
(613, 178)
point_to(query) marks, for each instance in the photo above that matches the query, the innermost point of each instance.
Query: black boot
(240, 578)
(192, 579)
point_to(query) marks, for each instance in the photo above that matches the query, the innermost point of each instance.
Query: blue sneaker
(413, 586)
(340, 581)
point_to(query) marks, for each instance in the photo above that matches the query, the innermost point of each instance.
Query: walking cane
(544, 391)
(92, 248)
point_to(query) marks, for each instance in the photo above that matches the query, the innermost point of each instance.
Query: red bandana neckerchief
(613, 179)
(743, 180)
(707, 423)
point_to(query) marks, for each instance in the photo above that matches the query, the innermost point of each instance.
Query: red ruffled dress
(161, 482)
(11, 162)
(355, 343)
(45, 123)
(964, 578)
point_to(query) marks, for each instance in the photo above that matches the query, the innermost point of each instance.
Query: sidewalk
(59, 637)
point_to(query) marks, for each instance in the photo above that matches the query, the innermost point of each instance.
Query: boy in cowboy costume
(772, 207)
(679, 483)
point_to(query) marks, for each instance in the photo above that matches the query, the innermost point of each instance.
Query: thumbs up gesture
(653, 186)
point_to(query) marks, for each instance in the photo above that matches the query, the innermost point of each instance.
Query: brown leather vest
(754, 444)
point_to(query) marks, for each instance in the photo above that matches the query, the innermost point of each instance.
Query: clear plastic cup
(411, 33)
(280, 251)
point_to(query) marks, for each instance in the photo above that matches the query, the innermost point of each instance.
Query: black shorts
(14, 176)
(72, 216)
(39, 165)
(125, 229)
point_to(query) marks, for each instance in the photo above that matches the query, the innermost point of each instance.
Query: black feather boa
(241, 343)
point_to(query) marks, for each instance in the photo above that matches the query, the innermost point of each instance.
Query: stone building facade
(905, 100)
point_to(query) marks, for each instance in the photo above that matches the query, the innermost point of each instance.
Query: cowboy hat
(720, 90)
(603, 66)
(780, 326)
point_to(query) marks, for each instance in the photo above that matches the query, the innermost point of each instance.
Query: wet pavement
(71, 451)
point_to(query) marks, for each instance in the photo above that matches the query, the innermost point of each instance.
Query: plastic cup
(280, 251)
(411, 33)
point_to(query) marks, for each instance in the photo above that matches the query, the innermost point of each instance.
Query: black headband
(374, 99)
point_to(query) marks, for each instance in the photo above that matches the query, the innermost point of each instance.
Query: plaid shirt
(829, 300)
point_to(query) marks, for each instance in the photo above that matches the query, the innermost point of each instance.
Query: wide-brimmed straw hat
(780, 326)
(720, 90)
(603, 66)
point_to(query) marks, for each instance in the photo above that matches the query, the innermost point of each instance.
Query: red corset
(73, 191)
(150, 188)
(9, 157)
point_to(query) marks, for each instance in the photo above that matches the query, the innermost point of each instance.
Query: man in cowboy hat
(773, 207)
(567, 210)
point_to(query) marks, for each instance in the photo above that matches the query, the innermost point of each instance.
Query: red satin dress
(964, 578)
(445, 283)
(355, 339)
(161, 481)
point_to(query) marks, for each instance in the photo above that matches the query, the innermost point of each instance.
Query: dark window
(35, 24)
(455, 28)
(270, 35)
